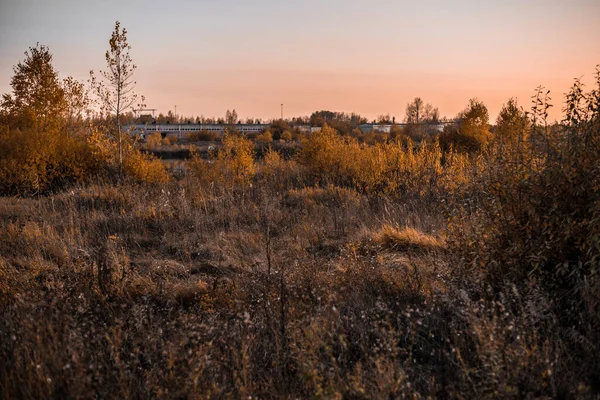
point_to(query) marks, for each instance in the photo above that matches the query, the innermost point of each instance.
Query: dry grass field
(302, 277)
(460, 264)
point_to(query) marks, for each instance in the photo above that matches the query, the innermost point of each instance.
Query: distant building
(387, 128)
(181, 130)
(308, 128)
(377, 128)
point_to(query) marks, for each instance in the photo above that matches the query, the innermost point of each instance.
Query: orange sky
(259, 92)
(373, 57)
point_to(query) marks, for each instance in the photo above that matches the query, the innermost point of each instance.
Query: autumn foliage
(345, 265)
(48, 139)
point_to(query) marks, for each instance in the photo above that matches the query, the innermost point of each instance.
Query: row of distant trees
(469, 130)
(417, 111)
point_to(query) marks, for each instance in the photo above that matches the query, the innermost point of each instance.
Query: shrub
(535, 206)
(278, 173)
(43, 143)
(236, 157)
(396, 168)
(528, 220)
(472, 133)
(273, 162)
(321, 153)
(38, 162)
(265, 137)
(208, 136)
(286, 136)
(154, 140)
(232, 165)
(251, 135)
(143, 167)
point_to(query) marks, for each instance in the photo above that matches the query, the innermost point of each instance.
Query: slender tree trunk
(119, 128)
(120, 148)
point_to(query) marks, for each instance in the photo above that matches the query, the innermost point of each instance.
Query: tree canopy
(38, 99)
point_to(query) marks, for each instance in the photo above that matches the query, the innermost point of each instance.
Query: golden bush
(265, 137)
(287, 136)
(154, 140)
(232, 165)
(273, 163)
(391, 167)
(38, 162)
(236, 157)
(143, 167)
(323, 153)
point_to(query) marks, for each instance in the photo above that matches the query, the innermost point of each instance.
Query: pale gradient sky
(370, 57)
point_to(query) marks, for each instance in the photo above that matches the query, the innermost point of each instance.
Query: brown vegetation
(347, 271)
(406, 240)
(203, 136)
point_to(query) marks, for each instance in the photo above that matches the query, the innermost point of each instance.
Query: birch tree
(115, 85)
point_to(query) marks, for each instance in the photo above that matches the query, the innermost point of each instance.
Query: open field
(330, 256)
(285, 281)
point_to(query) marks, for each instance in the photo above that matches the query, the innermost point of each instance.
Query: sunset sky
(370, 57)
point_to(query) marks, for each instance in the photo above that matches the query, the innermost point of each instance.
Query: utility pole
(282, 111)
(177, 122)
